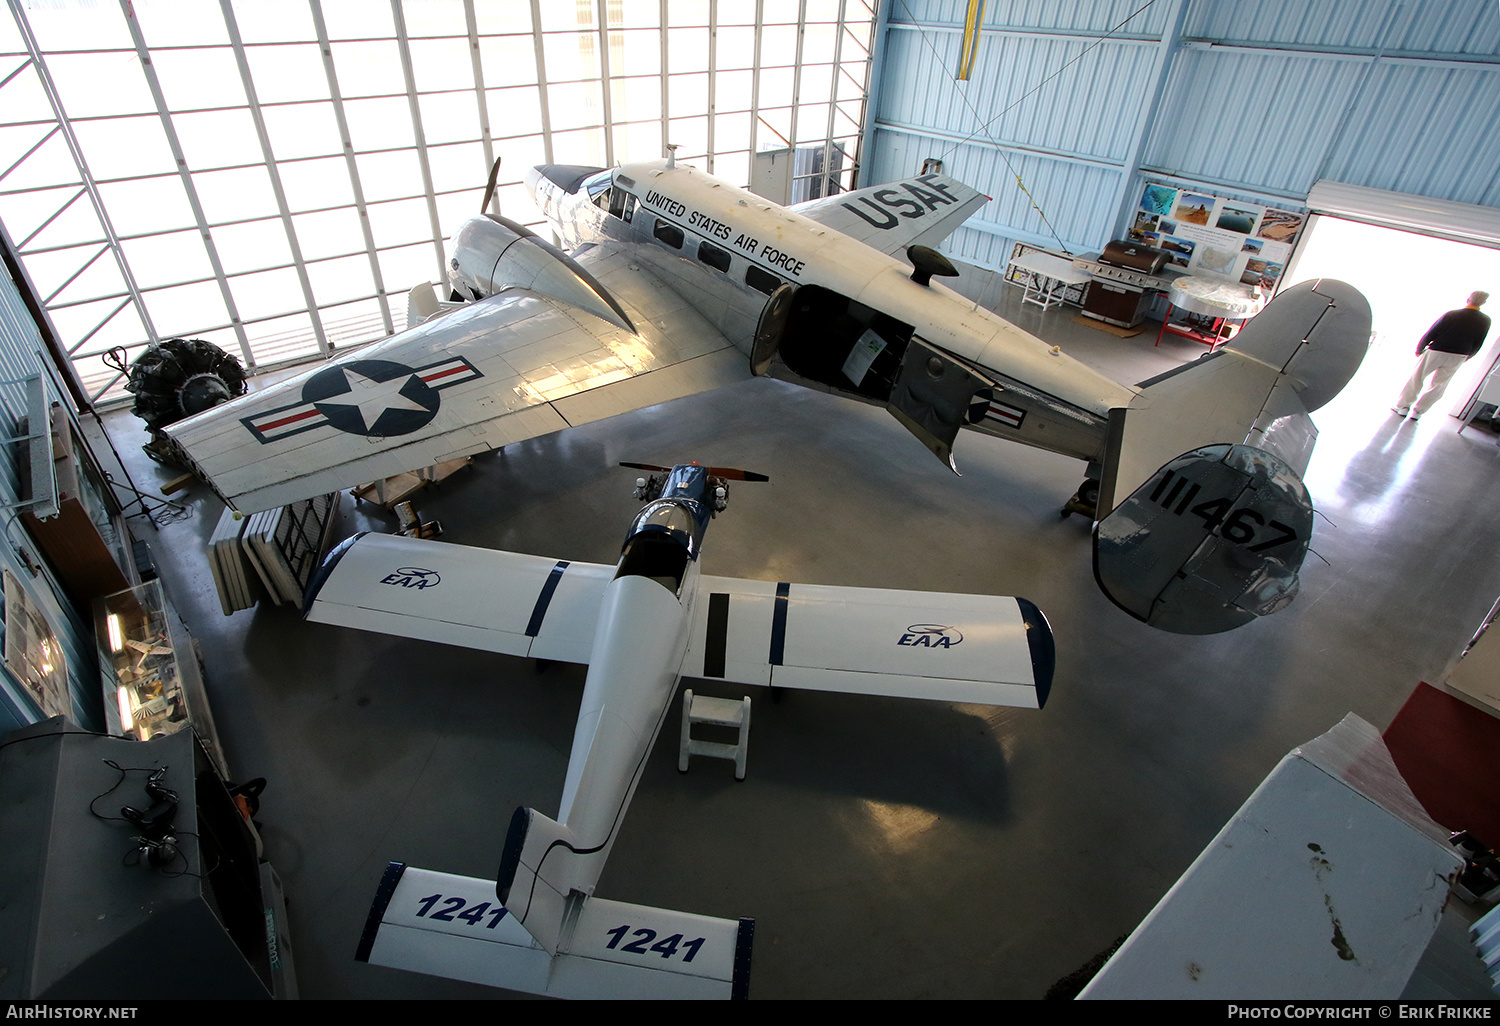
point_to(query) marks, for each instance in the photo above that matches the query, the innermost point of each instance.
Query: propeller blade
(732, 474)
(727, 473)
(489, 189)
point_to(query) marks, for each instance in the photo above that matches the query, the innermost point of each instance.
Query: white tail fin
(541, 869)
(1290, 359)
(453, 926)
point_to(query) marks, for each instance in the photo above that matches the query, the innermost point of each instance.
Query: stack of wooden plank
(237, 583)
(273, 553)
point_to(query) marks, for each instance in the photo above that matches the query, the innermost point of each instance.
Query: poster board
(1206, 234)
(33, 654)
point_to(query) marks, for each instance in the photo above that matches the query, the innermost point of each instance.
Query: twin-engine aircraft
(677, 282)
(639, 626)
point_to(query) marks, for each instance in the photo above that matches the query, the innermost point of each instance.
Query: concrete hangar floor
(887, 848)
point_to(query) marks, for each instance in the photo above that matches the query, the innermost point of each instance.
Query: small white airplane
(640, 626)
(678, 282)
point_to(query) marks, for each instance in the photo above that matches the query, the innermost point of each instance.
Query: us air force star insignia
(372, 397)
(365, 397)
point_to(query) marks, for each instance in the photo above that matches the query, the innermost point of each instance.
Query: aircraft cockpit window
(599, 189)
(713, 256)
(669, 233)
(761, 281)
(621, 204)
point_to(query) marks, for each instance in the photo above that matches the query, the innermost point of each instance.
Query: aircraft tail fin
(1203, 517)
(539, 874)
(1290, 359)
(452, 926)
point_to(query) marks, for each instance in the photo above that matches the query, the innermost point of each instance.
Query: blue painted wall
(1254, 100)
(20, 348)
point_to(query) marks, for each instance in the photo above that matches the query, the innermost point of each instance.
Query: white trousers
(1440, 367)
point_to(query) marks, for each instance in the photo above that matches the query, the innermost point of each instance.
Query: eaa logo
(930, 635)
(413, 577)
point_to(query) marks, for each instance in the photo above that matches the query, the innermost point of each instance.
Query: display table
(1045, 277)
(1215, 309)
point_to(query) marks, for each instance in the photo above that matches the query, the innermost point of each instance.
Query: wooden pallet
(392, 490)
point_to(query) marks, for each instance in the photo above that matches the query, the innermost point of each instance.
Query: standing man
(1455, 337)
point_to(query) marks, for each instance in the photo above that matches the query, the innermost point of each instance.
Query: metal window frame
(255, 352)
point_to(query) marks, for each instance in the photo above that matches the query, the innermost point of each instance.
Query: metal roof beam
(148, 69)
(238, 46)
(346, 140)
(1161, 66)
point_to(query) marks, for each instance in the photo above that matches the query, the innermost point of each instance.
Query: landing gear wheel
(1085, 500)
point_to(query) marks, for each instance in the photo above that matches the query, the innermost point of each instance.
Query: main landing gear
(1085, 500)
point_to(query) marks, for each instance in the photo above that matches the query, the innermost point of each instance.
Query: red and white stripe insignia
(1011, 416)
(268, 427)
(275, 425)
(448, 373)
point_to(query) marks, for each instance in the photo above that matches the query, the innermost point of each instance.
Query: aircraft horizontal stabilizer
(453, 927)
(1211, 541)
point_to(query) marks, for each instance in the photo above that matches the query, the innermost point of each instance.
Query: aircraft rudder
(1211, 541)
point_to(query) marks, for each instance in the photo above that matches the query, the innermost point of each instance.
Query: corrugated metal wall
(1255, 100)
(20, 358)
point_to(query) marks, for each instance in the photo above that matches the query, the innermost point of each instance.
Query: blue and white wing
(984, 649)
(485, 599)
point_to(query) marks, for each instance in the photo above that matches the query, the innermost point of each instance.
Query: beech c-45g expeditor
(671, 282)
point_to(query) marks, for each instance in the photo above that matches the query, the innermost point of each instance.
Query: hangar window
(713, 256)
(761, 281)
(669, 233)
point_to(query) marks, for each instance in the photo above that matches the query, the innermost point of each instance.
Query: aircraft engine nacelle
(492, 254)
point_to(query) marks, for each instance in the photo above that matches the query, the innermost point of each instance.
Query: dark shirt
(1457, 331)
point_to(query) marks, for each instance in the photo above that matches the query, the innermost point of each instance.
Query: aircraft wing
(955, 648)
(495, 601)
(919, 211)
(506, 368)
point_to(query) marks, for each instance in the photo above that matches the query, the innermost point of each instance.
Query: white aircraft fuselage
(725, 250)
(644, 627)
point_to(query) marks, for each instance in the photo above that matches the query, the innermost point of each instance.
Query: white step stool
(720, 712)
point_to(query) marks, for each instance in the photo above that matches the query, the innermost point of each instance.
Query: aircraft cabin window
(713, 256)
(669, 233)
(761, 281)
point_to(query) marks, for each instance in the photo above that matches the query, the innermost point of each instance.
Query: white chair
(719, 712)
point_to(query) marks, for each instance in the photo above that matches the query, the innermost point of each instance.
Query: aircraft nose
(533, 175)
